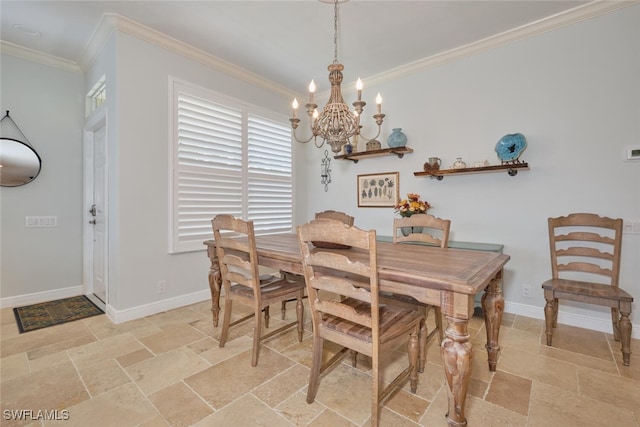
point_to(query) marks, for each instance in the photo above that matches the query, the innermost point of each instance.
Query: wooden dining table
(448, 278)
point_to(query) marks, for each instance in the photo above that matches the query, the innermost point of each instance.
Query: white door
(98, 217)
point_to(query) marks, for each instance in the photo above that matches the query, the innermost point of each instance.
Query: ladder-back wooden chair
(328, 214)
(423, 228)
(340, 216)
(342, 285)
(241, 281)
(585, 267)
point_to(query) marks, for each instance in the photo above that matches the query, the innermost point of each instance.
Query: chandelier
(336, 125)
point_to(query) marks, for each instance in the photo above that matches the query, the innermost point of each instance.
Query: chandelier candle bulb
(312, 89)
(379, 103)
(294, 104)
(359, 88)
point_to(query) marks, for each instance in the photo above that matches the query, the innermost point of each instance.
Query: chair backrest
(333, 275)
(236, 251)
(433, 230)
(340, 216)
(585, 247)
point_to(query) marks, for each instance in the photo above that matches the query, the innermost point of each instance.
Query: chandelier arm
(301, 141)
(379, 118)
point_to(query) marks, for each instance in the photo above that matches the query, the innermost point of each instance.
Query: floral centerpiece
(412, 205)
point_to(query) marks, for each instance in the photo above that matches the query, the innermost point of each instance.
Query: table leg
(215, 282)
(457, 355)
(493, 307)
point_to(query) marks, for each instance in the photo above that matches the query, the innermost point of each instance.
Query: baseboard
(596, 322)
(120, 316)
(35, 298)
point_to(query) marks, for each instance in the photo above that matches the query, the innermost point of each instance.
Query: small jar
(459, 164)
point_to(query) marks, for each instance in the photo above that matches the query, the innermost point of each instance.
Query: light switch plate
(41, 221)
(631, 227)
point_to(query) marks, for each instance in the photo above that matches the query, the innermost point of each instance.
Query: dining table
(445, 277)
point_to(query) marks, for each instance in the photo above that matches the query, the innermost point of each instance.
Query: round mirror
(19, 162)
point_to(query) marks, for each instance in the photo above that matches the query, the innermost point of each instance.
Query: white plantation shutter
(226, 159)
(270, 192)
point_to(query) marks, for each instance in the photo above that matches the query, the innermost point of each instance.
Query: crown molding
(111, 22)
(39, 57)
(560, 20)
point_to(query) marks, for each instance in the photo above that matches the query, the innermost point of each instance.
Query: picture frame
(378, 190)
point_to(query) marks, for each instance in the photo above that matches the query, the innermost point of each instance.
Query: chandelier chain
(335, 32)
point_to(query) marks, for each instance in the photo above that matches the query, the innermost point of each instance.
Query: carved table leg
(215, 281)
(493, 307)
(457, 355)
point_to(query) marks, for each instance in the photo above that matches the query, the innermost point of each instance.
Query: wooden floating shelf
(354, 157)
(512, 170)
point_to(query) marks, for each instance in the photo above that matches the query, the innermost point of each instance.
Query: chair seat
(270, 287)
(392, 321)
(590, 289)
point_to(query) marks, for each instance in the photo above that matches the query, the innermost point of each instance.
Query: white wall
(573, 93)
(139, 204)
(47, 104)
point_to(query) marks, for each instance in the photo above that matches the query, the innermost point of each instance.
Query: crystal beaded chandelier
(336, 125)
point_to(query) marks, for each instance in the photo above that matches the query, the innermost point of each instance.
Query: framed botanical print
(378, 190)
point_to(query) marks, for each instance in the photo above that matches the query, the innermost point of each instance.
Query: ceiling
(286, 42)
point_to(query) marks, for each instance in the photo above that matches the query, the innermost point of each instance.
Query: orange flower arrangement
(412, 205)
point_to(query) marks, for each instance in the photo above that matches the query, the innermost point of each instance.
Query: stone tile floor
(167, 370)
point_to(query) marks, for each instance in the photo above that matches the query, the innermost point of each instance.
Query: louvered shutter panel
(209, 169)
(270, 183)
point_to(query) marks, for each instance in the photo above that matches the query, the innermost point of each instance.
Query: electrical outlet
(162, 286)
(526, 291)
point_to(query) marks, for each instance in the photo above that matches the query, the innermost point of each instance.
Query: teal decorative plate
(510, 146)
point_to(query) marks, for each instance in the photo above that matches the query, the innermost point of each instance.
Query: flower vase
(397, 138)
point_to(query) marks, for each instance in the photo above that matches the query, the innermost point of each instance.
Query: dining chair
(328, 214)
(343, 290)
(422, 228)
(340, 216)
(585, 267)
(241, 281)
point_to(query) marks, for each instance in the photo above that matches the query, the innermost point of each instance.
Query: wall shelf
(512, 170)
(354, 157)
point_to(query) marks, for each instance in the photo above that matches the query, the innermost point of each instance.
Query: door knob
(93, 210)
(93, 221)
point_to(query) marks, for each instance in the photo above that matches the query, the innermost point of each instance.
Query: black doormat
(42, 315)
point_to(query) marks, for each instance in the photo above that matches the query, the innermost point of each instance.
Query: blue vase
(397, 138)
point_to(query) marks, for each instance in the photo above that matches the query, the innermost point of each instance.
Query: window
(96, 96)
(228, 158)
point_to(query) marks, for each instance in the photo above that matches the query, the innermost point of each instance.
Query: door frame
(95, 121)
